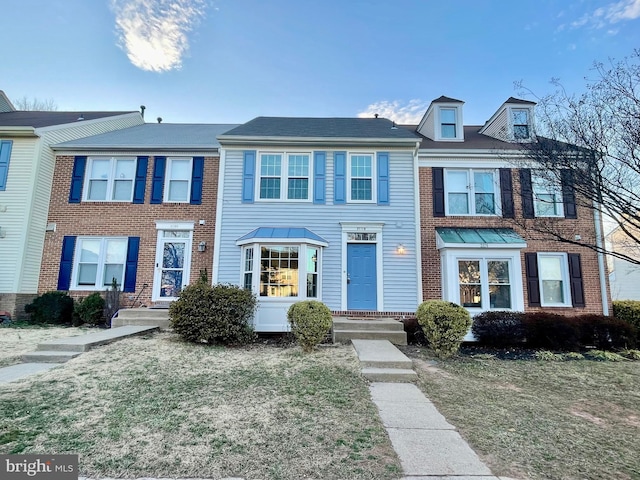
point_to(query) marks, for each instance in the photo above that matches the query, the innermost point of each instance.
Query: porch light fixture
(202, 246)
(400, 249)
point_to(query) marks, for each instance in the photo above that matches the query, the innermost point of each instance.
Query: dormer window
(448, 123)
(520, 118)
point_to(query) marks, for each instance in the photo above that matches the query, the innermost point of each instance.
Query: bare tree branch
(35, 104)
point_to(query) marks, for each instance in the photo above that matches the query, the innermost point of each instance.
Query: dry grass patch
(542, 420)
(15, 342)
(155, 406)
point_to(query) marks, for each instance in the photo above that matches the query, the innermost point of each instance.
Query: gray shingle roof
(444, 99)
(472, 140)
(519, 100)
(321, 128)
(153, 136)
(47, 119)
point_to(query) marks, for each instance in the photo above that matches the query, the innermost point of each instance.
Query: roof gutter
(307, 141)
(130, 148)
(29, 132)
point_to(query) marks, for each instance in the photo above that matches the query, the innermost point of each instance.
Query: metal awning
(478, 238)
(282, 234)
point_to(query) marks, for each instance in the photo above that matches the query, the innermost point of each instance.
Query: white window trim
(284, 176)
(566, 286)
(110, 179)
(374, 176)
(363, 227)
(438, 124)
(555, 189)
(512, 134)
(302, 269)
(101, 260)
(471, 192)
(167, 179)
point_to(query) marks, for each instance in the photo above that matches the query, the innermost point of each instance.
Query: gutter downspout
(601, 270)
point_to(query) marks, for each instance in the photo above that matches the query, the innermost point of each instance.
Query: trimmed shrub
(499, 328)
(310, 322)
(628, 311)
(550, 331)
(218, 314)
(444, 324)
(89, 310)
(606, 333)
(51, 307)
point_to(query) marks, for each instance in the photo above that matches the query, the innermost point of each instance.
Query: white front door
(173, 263)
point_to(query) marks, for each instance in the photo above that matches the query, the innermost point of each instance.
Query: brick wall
(583, 226)
(127, 219)
(14, 304)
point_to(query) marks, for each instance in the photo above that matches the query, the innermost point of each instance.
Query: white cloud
(153, 33)
(409, 113)
(615, 12)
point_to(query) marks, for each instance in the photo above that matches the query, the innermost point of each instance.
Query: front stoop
(153, 317)
(346, 329)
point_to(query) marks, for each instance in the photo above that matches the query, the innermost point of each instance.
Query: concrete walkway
(53, 353)
(428, 446)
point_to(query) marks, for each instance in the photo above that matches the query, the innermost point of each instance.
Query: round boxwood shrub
(444, 324)
(310, 322)
(214, 314)
(51, 307)
(89, 310)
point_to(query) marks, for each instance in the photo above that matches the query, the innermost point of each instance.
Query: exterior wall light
(202, 246)
(400, 249)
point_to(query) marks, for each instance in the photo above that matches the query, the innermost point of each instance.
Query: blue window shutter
(5, 155)
(248, 176)
(157, 185)
(77, 178)
(196, 180)
(319, 176)
(339, 177)
(383, 178)
(66, 263)
(141, 180)
(131, 268)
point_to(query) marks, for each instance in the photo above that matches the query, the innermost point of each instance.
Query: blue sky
(223, 61)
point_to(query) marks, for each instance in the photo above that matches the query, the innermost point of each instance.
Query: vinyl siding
(428, 129)
(499, 128)
(36, 193)
(624, 280)
(399, 218)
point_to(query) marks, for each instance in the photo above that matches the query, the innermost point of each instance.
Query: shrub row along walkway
(428, 446)
(55, 352)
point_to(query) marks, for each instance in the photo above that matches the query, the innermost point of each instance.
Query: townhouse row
(365, 215)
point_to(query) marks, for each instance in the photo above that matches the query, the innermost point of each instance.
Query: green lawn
(155, 406)
(533, 419)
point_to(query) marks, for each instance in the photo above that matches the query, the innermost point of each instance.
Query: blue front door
(361, 276)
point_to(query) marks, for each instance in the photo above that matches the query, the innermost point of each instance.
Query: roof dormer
(513, 122)
(442, 121)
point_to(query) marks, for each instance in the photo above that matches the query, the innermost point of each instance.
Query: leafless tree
(35, 104)
(593, 139)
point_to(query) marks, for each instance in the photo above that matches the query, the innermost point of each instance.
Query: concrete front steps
(152, 317)
(383, 362)
(348, 328)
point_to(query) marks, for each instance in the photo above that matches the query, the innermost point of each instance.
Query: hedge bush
(310, 322)
(51, 307)
(550, 331)
(499, 328)
(606, 333)
(214, 314)
(444, 324)
(628, 311)
(89, 310)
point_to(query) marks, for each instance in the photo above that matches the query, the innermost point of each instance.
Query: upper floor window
(547, 196)
(520, 119)
(471, 192)
(98, 261)
(110, 179)
(448, 123)
(178, 180)
(361, 183)
(284, 176)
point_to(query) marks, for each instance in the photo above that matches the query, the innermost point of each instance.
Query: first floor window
(312, 272)
(100, 261)
(110, 179)
(279, 271)
(485, 283)
(553, 273)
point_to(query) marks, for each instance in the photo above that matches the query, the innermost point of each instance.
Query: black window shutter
(506, 193)
(438, 191)
(575, 278)
(533, 283)
(568, 194)
(526, 192)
